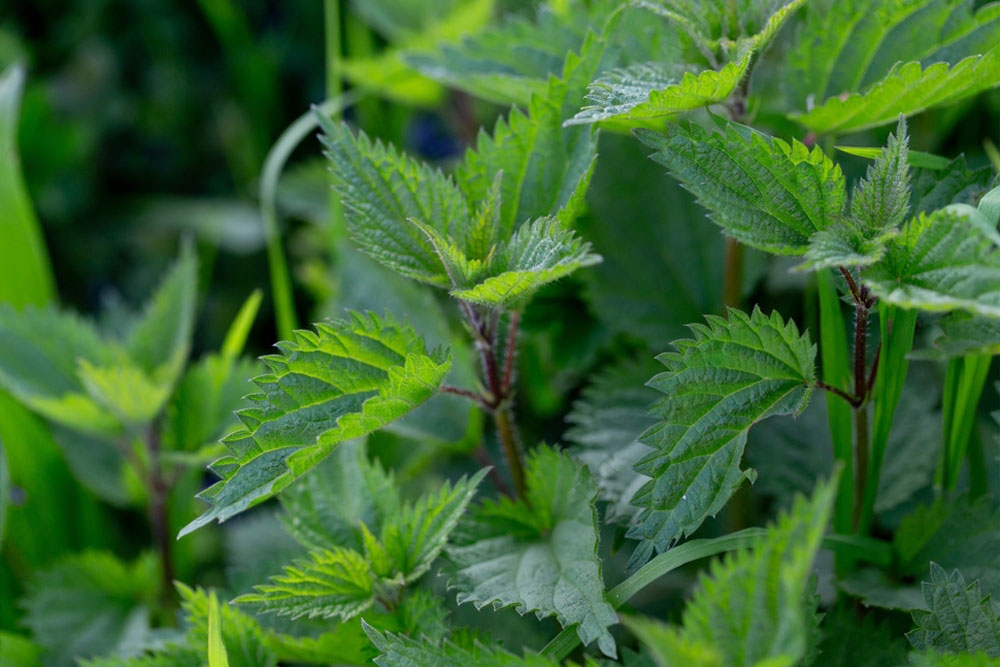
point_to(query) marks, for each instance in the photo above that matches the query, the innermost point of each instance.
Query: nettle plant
(653, 459)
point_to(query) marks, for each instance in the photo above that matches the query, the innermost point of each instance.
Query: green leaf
(916, 159)
(544, 168)
(328, 505)
(538, 253)
(401, 651)
(753, 606)
(160, 341)
(26, 276)
(5, 491)
(19, 650)
(880, 202)
(539, 554)
(217, 656)
(907, 89)
(948, 260)
(172, 655)
(669, 646)
(731, 375)
(381, 190)
(955, 533)
(124, 390)
(605, 425)
(762, 191)
(91, 604)
(201, 408)
(332, 582)
(242, 637)
(346, 379)
(416, 533)
(841, 245)
(512, 62)
(844, 46)
(40, 350)
(850, 641)
(959, 620)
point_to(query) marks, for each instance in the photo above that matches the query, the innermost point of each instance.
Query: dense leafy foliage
(501, 237)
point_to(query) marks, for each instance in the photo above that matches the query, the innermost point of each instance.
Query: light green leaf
(512, 62)
(907, 89)
(5, 490)
(172, 655)
(217, 656)
(947, 260)
(415, 534)
(124, 390)
(390, 75)
(345, 380)
(642, 92)
(960, 619)
(19, 650)
(400, 651)
(26, 276)
(670, 646)
(731, 375)
(382, 189)
(878, 205)
(545, 168)
(954, 184)
(916, 159)
(39, 355)
(160, 341)
(540, 554)
(538, 253)
(762, 191)
(202, 406)
(754, 605)
(242, 637)
(91, 604)
(332, 582)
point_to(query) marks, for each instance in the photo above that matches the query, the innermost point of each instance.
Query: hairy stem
(510, 354)
(861, 386)
(852, 400)
(861, 460)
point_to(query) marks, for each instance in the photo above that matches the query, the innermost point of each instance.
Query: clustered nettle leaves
(657, 452)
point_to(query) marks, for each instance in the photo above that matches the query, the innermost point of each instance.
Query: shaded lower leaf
(960, 619)
(538, 555)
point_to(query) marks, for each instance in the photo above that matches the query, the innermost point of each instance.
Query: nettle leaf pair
(786, 199)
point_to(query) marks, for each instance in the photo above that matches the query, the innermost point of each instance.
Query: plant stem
(732, 285)
(861, 444)
(510, 353)
(504, 417)
(486, 460)
(852, 400)
(861, 460)
(159, 522)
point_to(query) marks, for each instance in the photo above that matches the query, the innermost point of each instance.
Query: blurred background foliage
(146, 121)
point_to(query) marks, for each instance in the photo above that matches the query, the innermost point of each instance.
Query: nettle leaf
(544, 169)
(328, 505)
(947, 260)
(339, 581)
(91, 604)
(907, 89)
(936, 659)
(348, 378)
(382, 189)
(160, 340)
(850, 641)
(40, 350)
(641, 92)
(960, 619)
(331, 582)
(538, 555)
(401, 651)
(512, 62)
(844, 46)
(605, 425)
(878, 205)
(538, 253)
(762, 191)
(731, 375)
(754, 606)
